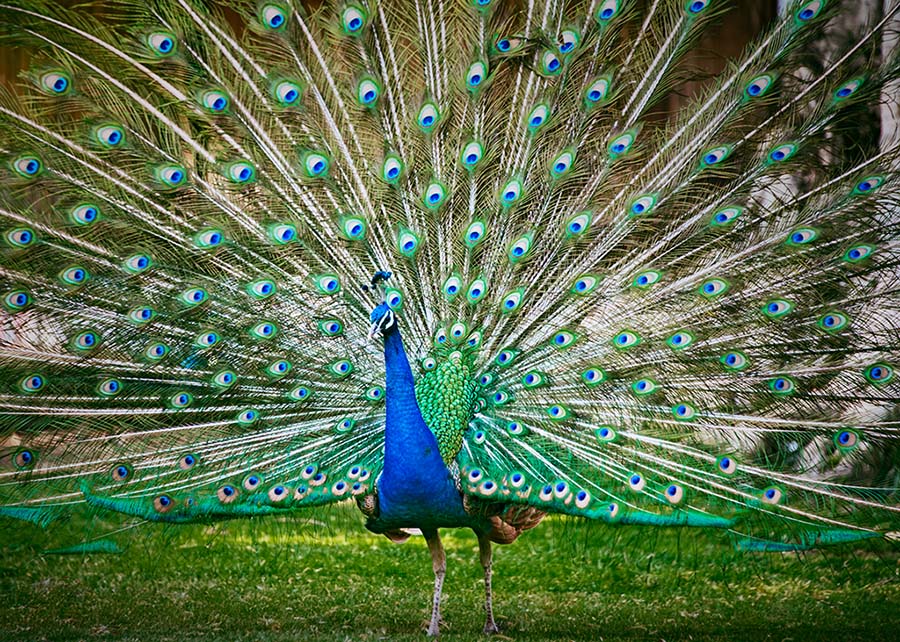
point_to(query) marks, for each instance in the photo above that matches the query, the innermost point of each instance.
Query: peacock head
(384, 322)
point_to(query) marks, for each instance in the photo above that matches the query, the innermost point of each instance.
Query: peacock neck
(415, 484)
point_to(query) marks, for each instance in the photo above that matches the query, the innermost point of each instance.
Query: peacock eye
(247, 417)
(300, 393)
(85, 341)
(392, 169)
(520, 248)
(428, 117)
(626, 339)
(353, 18)
(712, 288)
(569, 40)
(434, 195)
(367, 92)
(407, 242)
(121, 472)
(278, 368)
(20, 237)
(833, 321)
(538, 117)
(759, 85)
(452, 286)
(227, 493)
(846, 440)
(209, 238)
(477, 290)
(458, 331)
(680, 340)
(109, 387)
(714, 156)
(809, 11)
(171, 175)
(17, 300)
(214, 101)
(109, 135)
(474, 339)
(331, 327)
(471, 155)
(84, 214)
(593, 376)
(773, 495)
(620, 145)
(674, 493)
(156, 351)
(727, 465)
(781, 153)
(505, 358)
(162, 43)
(563, 339)
(206, 339)
(782, 385)
(163, 504)
(579, 224)
(141, 315)
(868, 184)
(585, 284)
(605, 434)
(551, 65)
(511, 192)
(476, 75)
(341, 368)
(428, 363)
(188, 461)
(637, 482)
(607, 10)
(273, 16)
(32, 383)
(696, 6)
(252, 481)
(315, 164)
(727, 215)
(643, 387)
(858, 253)
(261, 289)
(642, 205)
(181, 400)
(375, 393)
(801, 236)
(560, 165)
(241, 172)
(518, 430)
(777, 308)
(684, 411)
(734, 360)
(879, 374)
(138, 263)
(282, 233)
(558, 412)
(645, 279)
(501, 398)
(597, 91)
(287, 92)
(27, 166)
(512, 301)
(224, 379)
(327, 283)
(486, 379)
(56, 83)
(193, 296)
(74, 275)
(264, 330)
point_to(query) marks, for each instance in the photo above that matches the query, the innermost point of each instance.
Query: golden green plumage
(446, 396)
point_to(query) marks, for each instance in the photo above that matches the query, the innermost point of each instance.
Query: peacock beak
(374, 330)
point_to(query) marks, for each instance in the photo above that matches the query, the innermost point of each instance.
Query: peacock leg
(484, 550)
(439, 564)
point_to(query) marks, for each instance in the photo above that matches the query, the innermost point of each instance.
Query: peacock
(455, 260)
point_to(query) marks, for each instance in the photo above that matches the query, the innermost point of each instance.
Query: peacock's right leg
(439, 564)
(484, 551)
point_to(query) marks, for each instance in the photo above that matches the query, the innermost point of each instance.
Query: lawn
(329, 579)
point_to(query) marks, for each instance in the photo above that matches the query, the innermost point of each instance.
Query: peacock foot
(490, 627)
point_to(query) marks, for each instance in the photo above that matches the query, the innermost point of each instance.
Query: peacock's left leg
(439, 564)
(484, 550)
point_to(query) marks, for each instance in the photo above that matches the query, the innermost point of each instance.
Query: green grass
(297, 579)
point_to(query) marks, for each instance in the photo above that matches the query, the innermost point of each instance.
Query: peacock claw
(490, 628)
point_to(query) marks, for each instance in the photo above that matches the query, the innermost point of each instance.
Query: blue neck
(415, 484)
